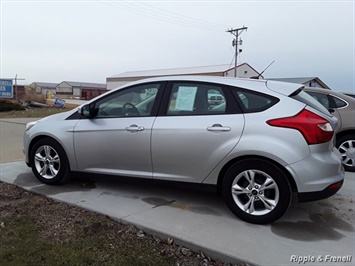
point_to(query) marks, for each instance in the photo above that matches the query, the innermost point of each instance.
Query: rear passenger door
(191, 135)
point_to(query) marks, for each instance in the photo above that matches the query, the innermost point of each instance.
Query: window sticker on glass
(185, 98)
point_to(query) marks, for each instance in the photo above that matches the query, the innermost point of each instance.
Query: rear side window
(306, 98)
(338, 103)
(328, 101)
(196, 99)
(320, 97)
(252, 101)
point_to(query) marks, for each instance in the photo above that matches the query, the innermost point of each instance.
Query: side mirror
(88, 110)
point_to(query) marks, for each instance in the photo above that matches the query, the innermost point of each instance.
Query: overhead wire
(164, 15)
(153, 12)
(194, 20)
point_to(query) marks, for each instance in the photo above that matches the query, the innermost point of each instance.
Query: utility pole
(236, 33)
(16, 79)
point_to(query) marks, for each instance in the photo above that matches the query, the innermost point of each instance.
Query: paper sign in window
(185, 98)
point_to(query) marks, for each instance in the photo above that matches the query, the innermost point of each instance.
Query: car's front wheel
(49, 162)
(256, 191)
(346, 147)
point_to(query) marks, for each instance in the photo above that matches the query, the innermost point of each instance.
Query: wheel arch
(238, 159)
(38, 138)
(345, 133)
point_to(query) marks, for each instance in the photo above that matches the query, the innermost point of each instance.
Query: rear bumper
(318, 176)
(318, 195)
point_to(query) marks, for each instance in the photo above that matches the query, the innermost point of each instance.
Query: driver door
(117, 139)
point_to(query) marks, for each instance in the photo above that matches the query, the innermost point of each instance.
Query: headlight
(30, 125)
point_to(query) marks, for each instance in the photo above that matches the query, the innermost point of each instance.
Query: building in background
(314, 82)
(69, 89)
(44, 87)
(80, 90)
(87, 91)
(243, 71)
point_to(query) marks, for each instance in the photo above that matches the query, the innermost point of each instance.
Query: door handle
(134, 128)
(218, 128)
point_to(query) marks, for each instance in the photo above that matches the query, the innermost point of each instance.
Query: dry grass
(34, 98)
(32, 112)
(35, 230)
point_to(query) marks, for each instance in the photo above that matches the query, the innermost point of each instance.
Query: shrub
(6, 105)
(33, 97)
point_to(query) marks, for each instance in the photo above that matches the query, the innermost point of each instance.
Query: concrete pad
(11, 135)
(322, 231)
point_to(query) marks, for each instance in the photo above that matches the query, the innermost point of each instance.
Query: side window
(338, 103)
(134, 101)
(196, 99)
(320, 97)
(253, 101)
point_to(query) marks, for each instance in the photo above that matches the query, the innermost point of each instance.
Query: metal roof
(302, 80)
(176, 71)
(45, 84)
(85, 84)
(294, 80)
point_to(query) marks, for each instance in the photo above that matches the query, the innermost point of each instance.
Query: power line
(196, 20)
(164, 15)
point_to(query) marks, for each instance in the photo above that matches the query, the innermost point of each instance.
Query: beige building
(243, 71)
(44, 87)
(313, 82)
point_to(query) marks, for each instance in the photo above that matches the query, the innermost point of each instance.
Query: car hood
(59, 116)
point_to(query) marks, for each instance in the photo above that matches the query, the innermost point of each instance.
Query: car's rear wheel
(49, 162)
(346, 147)
(256, 191)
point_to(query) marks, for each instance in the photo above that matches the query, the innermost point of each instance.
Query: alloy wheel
(347, 151)
(47, 162)
(255, 192)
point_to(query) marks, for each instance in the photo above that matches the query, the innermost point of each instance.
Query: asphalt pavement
(314, 233)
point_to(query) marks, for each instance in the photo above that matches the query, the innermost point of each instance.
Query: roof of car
(257, 84)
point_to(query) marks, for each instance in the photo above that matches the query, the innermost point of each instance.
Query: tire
(49, 162)
(346, 147)
(244, 191)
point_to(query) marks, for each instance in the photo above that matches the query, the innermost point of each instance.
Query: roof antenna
(258, 76)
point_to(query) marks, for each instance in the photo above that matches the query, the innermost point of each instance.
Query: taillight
(314, 128)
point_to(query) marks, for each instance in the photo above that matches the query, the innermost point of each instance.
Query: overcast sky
(88, 41)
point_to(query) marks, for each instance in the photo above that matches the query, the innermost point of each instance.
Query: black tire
(254, 194)
(346, 147)
(49, 162)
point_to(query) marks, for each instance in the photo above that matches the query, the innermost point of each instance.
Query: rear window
(253, 101)
(305, 98)
(338, 102)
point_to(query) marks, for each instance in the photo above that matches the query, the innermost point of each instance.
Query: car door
(191, 136)
(117, 139)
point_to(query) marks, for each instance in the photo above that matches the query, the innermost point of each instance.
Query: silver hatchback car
(265, 141)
